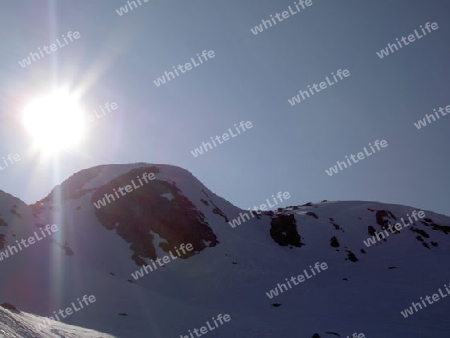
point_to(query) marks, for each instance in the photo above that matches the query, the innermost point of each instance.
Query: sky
(117, 58)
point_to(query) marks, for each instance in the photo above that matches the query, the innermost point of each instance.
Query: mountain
(94, 232)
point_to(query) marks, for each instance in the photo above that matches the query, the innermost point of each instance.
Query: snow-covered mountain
(111, 220)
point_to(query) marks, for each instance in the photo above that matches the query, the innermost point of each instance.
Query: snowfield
(229, 271)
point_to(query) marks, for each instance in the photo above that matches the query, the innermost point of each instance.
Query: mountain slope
(26, 325)
(17, 324)
(99, 248)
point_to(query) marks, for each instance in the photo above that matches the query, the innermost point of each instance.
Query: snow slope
(26, 325)
(231, 269)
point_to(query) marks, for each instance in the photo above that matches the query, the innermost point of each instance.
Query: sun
(55, 122)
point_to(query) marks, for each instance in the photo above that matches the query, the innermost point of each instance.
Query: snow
(168, 195)
(24, 325)
(229, 278)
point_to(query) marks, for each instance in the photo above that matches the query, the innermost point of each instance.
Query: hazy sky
(251, 78)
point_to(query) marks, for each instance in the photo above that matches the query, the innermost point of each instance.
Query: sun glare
(55, 122)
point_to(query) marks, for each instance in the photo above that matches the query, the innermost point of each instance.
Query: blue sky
(250, 78)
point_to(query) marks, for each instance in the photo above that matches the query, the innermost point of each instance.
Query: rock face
(284, 230)
(99, 246)
(137, 217)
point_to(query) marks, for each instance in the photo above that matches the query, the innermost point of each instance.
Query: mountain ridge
(230, 270)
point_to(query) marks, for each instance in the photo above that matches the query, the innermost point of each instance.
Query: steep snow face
(99, 249)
